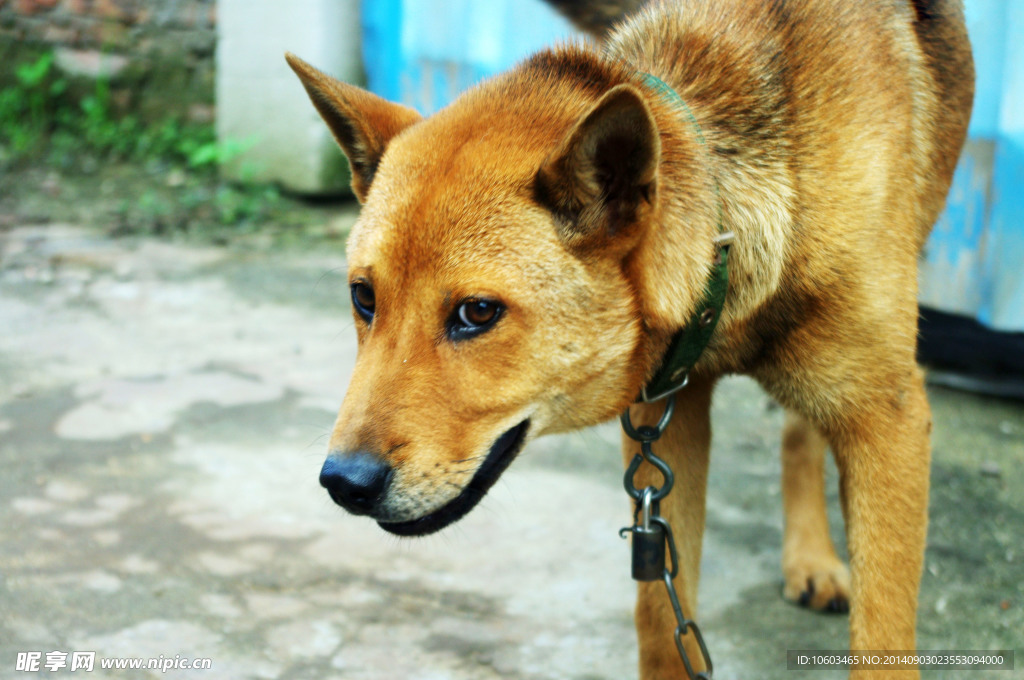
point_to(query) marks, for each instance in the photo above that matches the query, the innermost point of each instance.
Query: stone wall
(158, 53)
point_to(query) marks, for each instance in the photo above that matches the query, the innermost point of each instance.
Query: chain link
(646, 514)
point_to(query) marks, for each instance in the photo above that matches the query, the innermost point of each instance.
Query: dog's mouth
(498, 458)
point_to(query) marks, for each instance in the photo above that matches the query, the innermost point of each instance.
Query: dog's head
(492, 274)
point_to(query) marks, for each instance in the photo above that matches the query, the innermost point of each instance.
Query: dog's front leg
(814, 576)
(883, 459)
(684, 446)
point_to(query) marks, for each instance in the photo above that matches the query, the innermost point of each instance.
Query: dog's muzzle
(359, 482)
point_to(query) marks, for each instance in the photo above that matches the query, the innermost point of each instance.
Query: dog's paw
(822, 584)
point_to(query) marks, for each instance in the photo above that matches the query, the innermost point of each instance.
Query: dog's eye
(478, 312)
(473, 317)
(363, 300)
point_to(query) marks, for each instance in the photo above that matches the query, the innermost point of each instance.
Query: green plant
(40, 112)
(77, 125)
(239, 204)
(100, 130)
(213, 153)
(27, 107)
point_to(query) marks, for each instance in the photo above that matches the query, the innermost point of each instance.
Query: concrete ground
(164, 409)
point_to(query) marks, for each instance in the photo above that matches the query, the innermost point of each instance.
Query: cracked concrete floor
(163, 416)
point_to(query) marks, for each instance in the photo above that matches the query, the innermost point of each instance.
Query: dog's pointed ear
(361, 122)
(603, 176)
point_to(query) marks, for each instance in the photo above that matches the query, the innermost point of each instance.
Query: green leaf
(203, 155)
(31, 75)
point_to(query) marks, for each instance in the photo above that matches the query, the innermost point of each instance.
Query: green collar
(690, 341)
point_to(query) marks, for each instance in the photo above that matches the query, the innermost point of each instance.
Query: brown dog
(525, 257)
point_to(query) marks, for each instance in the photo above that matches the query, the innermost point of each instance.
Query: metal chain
(652, 532)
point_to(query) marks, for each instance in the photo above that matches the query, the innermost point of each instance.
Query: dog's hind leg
(684, 445)
(814, 576)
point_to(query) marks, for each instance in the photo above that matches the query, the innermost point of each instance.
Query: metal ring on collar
(646, 433)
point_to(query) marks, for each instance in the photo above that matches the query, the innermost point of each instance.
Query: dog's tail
(596, 17)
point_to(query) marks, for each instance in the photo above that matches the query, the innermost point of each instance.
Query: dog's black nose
(356, 481)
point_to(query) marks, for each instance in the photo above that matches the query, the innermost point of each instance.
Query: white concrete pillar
(260, 100)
